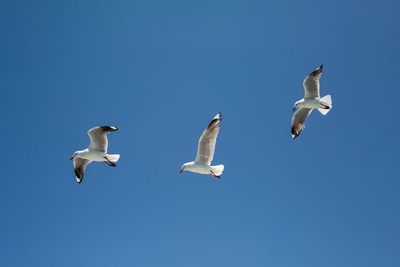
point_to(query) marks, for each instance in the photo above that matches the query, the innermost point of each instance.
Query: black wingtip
(78, 176)
(215, 120)
(295, 134)
(317, 70)
(79, 179)
(109, 128)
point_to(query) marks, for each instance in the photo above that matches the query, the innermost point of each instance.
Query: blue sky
(160, 70)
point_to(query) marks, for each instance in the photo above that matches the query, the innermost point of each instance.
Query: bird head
(183, 168)
(73, 156)
(296, 105)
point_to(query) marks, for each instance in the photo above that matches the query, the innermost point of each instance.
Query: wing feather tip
(215, 121)
(295, 133)
(218, 116)
(317, 71)
(78, 176)
(109, 128)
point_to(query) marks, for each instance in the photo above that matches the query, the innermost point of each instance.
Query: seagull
(205, 151)
(310, 101)
(97, 151)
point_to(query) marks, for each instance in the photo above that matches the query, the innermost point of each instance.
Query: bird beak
(181, 170)
(294, 109)
(71, 158)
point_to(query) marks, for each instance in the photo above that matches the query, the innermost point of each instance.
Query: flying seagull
(97, 151)
(205, 151)
(310, 101)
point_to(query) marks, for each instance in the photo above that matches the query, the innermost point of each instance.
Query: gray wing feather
(298, 121)
(207, 141)
(79, 168)
(311, 83)
(98, 137)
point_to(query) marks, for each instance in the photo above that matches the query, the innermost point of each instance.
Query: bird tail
(218, 169)
(326, 101)
(113, 157)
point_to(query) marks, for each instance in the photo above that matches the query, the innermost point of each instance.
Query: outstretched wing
(298, 121)
(79, 167)
(207, 141)
(98, 137)
(311, 83)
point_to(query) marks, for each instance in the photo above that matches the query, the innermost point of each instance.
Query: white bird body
(205, 151)
(96, 155)
(201, 168)
(97, 151)
(92, 155)
(310, 103)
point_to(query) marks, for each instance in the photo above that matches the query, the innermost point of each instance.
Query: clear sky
(160, 70)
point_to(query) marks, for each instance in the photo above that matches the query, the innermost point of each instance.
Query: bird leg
(215, 176)
(325, 106)
(109, 163)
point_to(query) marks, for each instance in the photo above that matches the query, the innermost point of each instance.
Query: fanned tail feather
(113, 157)
(218, 169)
(327, 101)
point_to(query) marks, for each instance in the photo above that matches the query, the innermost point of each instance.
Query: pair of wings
(311, 90)
(207, 141)
(99, 142)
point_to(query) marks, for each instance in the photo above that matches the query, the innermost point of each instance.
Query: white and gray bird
(205, 151)
(311, 100)
(97, 151)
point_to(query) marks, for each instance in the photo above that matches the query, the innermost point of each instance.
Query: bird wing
(79, 167)
(98, 137)
(311, 83)
(207, 141)
(298, 121)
